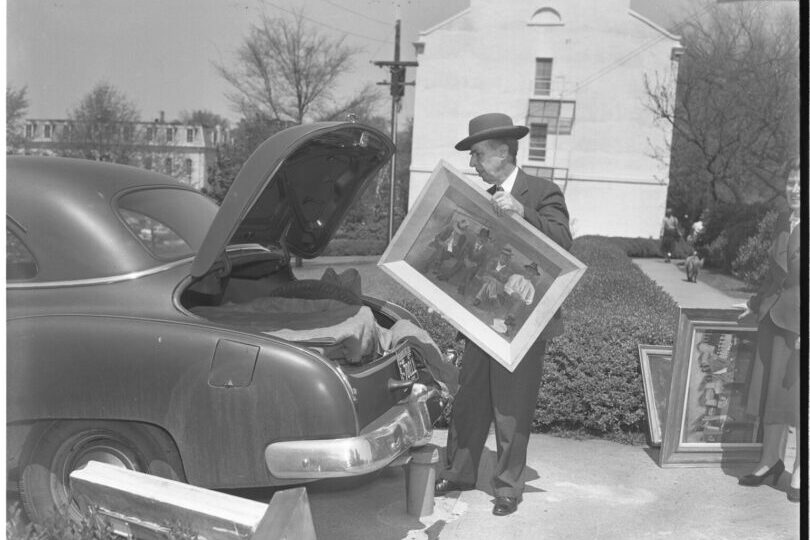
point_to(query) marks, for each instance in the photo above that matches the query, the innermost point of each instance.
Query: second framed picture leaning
(656, 374)
(498, 280)
(712, 413)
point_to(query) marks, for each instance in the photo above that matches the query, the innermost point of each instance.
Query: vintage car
(115, 277)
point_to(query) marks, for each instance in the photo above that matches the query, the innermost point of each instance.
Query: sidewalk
(577, 489)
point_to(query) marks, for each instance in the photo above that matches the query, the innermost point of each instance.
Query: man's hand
(503, 202)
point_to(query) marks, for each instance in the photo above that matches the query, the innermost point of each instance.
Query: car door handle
(394, 384)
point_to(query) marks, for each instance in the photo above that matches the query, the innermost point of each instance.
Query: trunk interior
(259, 292)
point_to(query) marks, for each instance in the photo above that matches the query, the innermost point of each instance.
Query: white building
(573, 71)
(183, 151)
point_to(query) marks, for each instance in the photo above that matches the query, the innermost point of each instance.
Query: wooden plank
(153, 506)
(288, 517)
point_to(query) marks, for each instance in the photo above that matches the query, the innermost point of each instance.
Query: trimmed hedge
(639, 248)
(592, 380)
(592, 383)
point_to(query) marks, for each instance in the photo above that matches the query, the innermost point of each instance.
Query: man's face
(489, 160)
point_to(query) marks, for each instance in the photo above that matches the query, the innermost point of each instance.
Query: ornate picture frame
(498, 280)
(656, 376)
(714, 398)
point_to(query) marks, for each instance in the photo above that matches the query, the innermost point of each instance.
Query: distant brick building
(183, 151)
(573, 72)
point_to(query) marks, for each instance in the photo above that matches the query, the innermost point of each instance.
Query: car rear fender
(175, 375)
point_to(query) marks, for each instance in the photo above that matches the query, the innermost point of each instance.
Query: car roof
(61, 210)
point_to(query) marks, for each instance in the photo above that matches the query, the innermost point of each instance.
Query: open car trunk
(376, 351)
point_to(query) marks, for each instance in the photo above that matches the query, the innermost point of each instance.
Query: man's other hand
(503, 202)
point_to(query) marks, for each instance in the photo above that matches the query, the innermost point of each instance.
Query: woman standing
(776, 306)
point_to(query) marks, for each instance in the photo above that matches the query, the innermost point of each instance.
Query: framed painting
(656, 375)
(497, 279)
(713, 408)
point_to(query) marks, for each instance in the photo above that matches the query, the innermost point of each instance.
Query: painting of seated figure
(497, 279)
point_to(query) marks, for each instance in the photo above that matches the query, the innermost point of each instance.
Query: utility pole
(397, 84)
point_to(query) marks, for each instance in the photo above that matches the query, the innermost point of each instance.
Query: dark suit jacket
(779, 293)
(444, 234)
(544, 207)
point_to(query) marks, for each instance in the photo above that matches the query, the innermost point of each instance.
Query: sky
(160, 53)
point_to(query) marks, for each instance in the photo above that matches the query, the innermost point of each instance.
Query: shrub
(751, 262)
(727, 228)
(591, 380)
(644, 247)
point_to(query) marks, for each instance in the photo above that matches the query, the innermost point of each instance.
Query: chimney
(162, 117)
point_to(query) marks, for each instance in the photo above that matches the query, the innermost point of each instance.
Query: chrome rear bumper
(405, 425)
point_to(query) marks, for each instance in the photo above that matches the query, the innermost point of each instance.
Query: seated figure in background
(496, 274)
(473, 257)
(448, 243)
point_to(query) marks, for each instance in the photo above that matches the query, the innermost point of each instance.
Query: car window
(170, 223)
(20, 263)
(158, 238)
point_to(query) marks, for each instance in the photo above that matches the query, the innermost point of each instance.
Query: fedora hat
(533, 267)
(491, 126)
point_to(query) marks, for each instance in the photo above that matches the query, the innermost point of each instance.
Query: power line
(372, 19)
(632, 54)
(324, 24)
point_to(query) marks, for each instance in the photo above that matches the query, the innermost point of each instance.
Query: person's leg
(774, 440)
(472, 416)
(514, 397)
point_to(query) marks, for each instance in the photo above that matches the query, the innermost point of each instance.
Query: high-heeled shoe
(758, 479)
(794, 494)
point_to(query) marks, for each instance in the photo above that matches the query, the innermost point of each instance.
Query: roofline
(444, 22)
(653, 25)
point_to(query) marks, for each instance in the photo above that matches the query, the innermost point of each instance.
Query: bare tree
(286, 70)
(16, 107)
(101, 126)
(204, 117)
(734, 115)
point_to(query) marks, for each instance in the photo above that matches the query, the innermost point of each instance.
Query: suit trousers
(489, 392)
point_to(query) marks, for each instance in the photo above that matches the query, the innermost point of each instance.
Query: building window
(128, 133)
(147, 163)
(150, 134)
(169, 134)
(557, 115)
(167, 165)
(189, 167)
(29, 131)
(189, 135)
(537, 142)
(46, 131)
(215, 136)
(542, 76)
(559, 174)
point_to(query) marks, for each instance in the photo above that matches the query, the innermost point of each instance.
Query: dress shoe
(444, 486)
(759, 479)
(504, 506)
(794, 494)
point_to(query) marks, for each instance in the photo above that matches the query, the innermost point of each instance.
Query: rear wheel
(60, 448)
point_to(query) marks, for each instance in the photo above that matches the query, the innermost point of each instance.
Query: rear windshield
(170, 223)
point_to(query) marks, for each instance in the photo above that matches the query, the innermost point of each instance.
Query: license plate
(407, 369)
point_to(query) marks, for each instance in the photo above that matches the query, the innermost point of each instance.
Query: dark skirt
(780, 382)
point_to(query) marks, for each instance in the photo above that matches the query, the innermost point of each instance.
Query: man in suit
(488, 390)
(495, 275)
(472, 259)
(449, 242)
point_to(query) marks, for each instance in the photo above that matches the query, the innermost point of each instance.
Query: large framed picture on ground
(713, 408)
(496, 279)
(656, 374)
